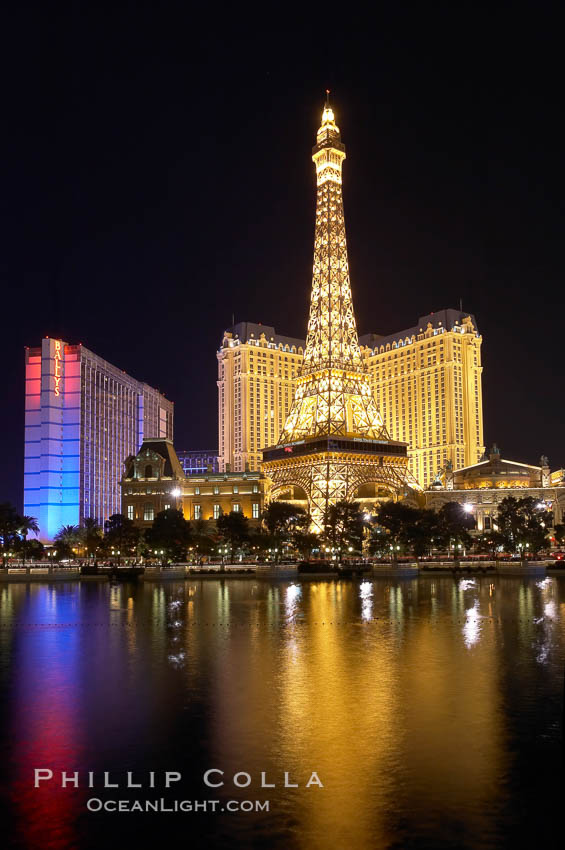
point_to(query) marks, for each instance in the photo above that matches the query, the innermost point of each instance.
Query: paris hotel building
(83, 418)
(426, 380)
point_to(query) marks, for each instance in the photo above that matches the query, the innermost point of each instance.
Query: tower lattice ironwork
(334, 439)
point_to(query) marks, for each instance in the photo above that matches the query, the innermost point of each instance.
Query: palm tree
(69, 535)
(25, 525)
(92, 534)
(67, 538)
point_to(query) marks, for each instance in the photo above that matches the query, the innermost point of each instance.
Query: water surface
(429, 708)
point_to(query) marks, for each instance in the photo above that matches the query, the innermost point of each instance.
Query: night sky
(156, 179)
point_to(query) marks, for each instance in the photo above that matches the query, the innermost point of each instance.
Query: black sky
(156, 178)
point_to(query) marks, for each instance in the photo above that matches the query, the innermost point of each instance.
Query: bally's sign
(58, 370)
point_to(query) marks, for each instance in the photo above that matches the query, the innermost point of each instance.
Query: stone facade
(483, 485)
(154, 480)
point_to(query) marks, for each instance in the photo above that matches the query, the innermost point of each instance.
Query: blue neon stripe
(57, 439)
(59, 504)
(52, 487)
(56, 472)
(48, 455)
(60, 406)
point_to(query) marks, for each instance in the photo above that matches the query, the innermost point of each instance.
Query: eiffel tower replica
(334, 439)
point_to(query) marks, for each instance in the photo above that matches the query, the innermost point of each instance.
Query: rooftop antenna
(460, 305)
(233, 319)
(327, 97)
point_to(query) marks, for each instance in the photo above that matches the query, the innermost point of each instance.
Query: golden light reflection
(375, 703)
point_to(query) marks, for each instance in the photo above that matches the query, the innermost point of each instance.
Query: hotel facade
(83, 416)
(195, 461)
(428, 386)
(426, 381)
(257, 371)
(154, 481)
(482, 486)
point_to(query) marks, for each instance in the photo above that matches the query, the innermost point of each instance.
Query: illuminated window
(236, 507)
(216, 511)
(130, 512)
(235, 488)
(148, 512)
(216, 489)
(198, 512)
(255, 510)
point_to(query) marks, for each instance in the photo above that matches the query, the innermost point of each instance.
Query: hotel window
(236, 508)
(235, 488)
(130, 512)
(216, 489)
(197, 491)
(216, 511)
(148, 512)
(197, 512)
(255, 510)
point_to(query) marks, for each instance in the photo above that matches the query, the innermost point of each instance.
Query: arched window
(148, 471)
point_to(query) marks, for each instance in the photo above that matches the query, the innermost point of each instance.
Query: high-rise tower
(334, 441)
(83, 417)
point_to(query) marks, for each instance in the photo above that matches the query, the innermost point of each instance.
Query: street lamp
(176, 492)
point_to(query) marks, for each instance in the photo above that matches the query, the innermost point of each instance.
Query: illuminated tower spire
(333, 394)
(334, 442)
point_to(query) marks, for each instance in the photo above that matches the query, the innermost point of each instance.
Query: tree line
(392, 530)
(14, 530)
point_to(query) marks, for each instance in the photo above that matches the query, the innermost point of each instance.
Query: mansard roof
(447, 319)
(164, 449)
